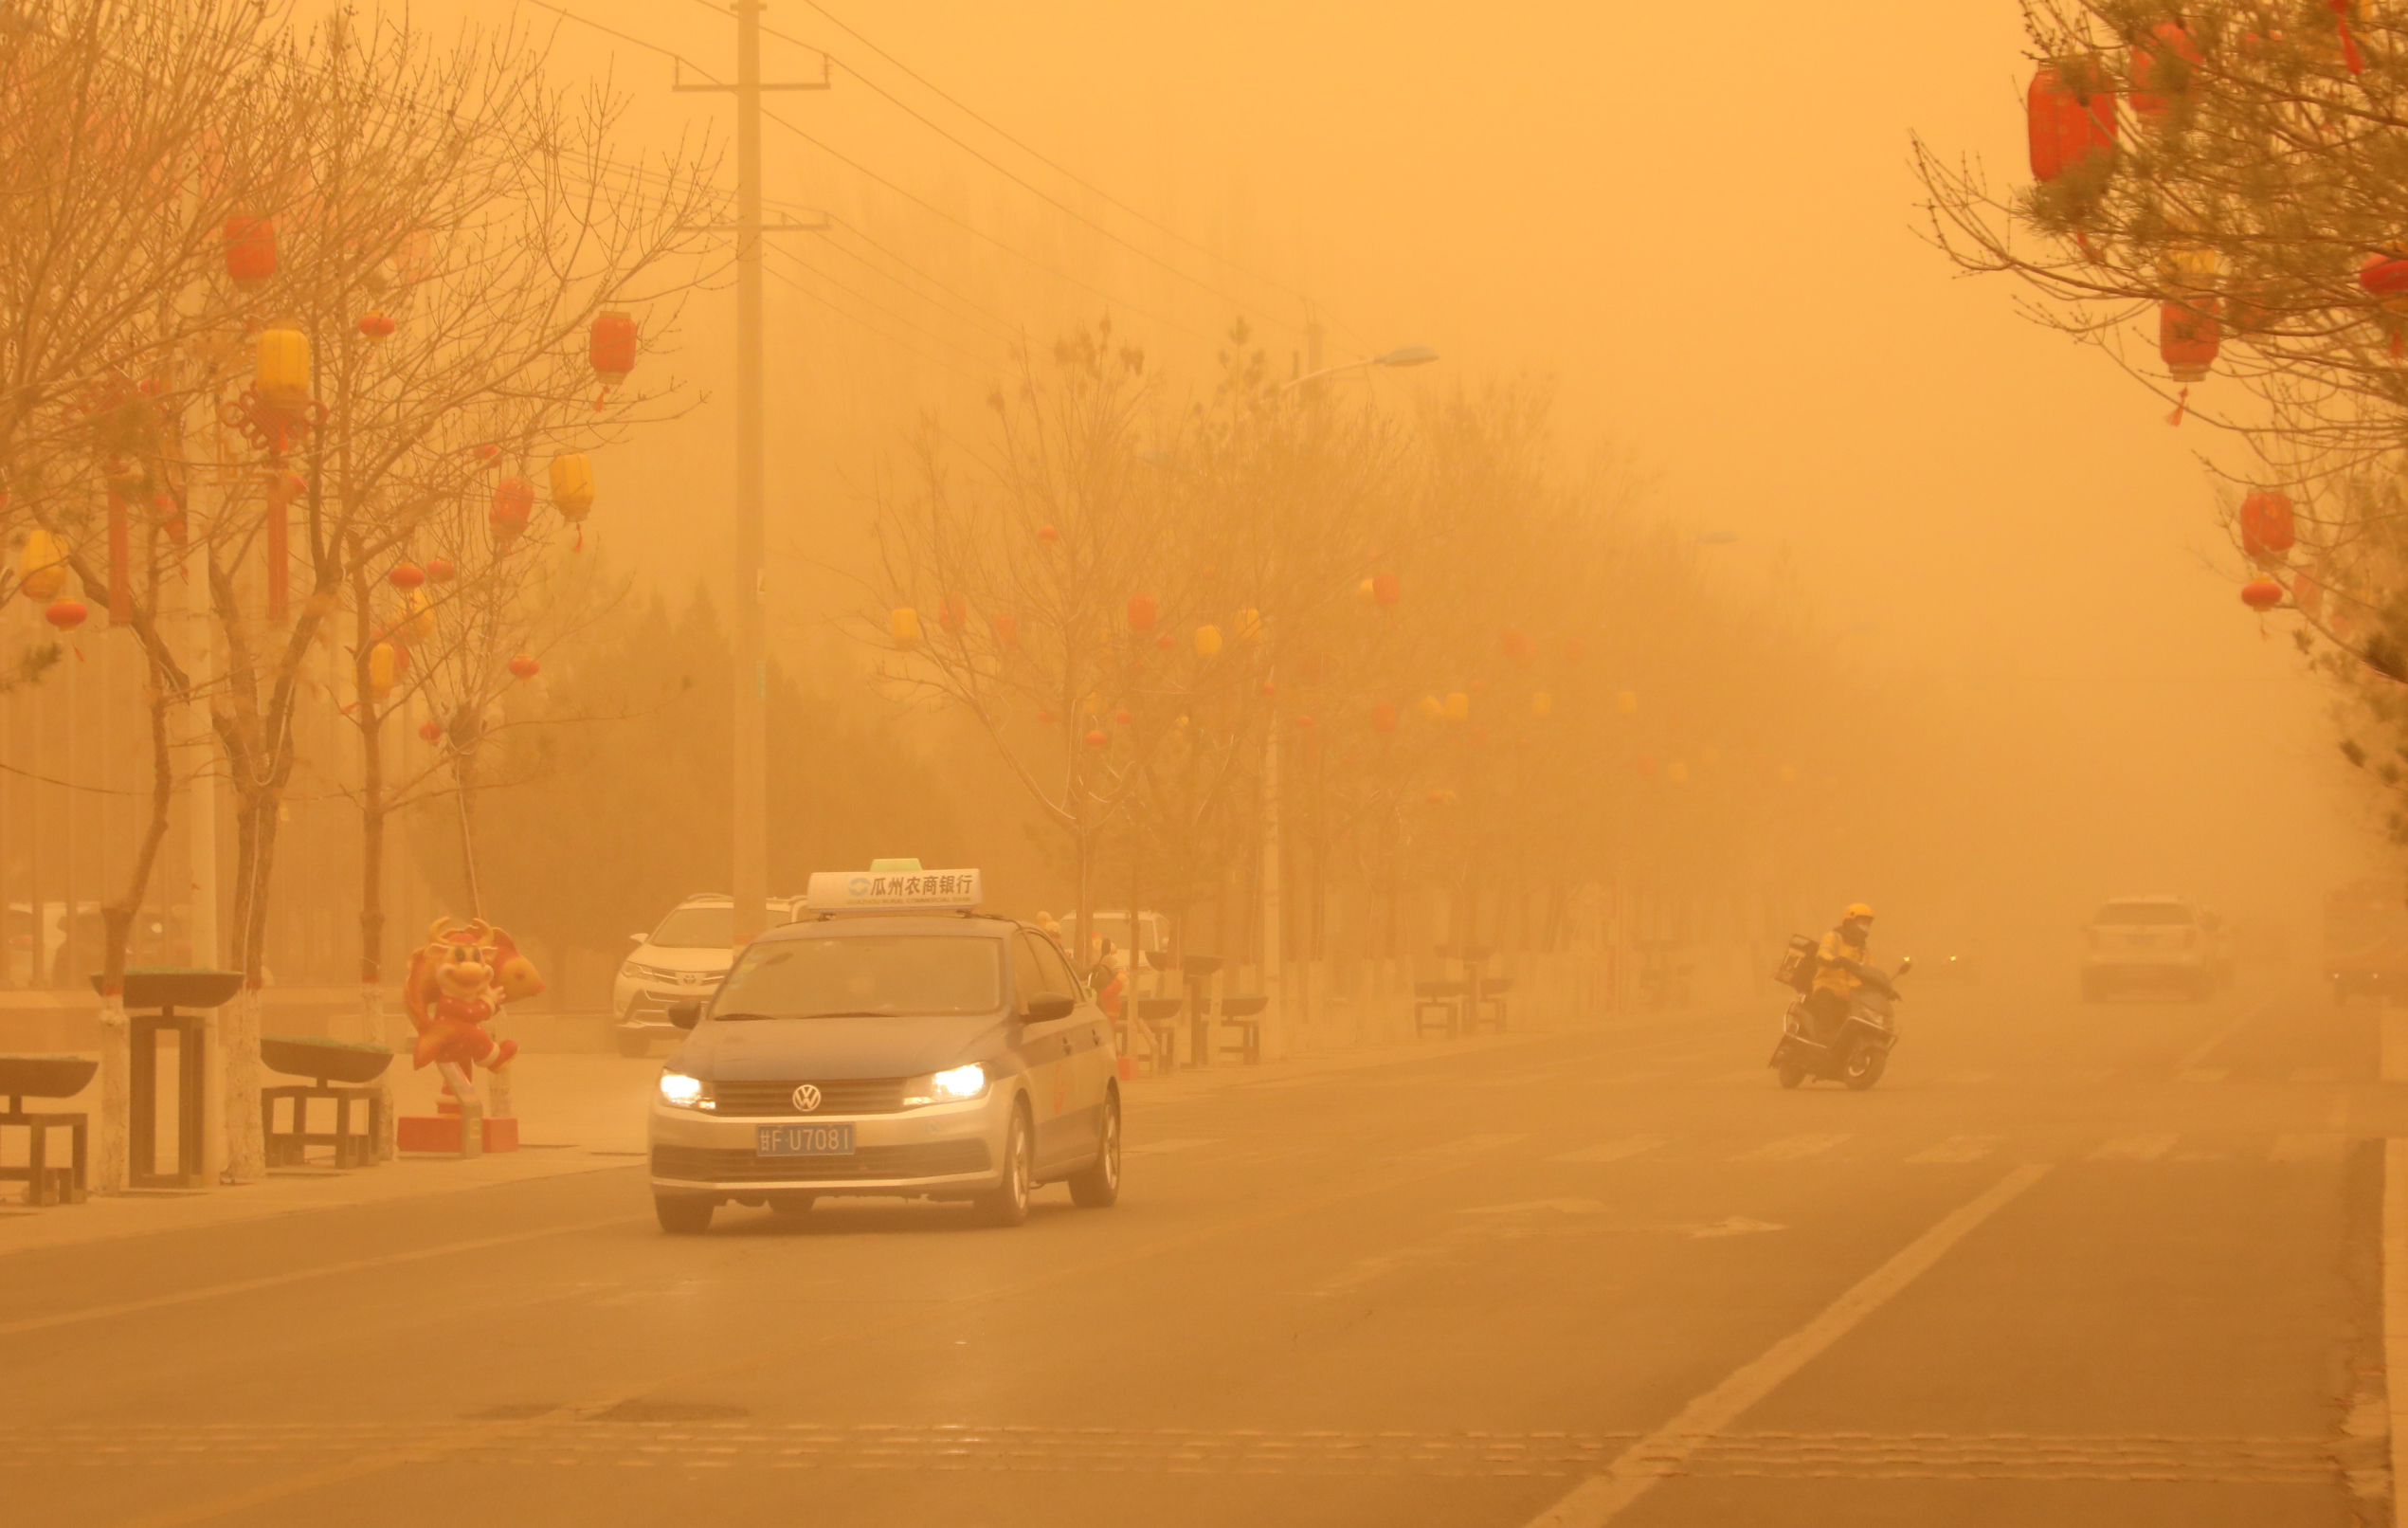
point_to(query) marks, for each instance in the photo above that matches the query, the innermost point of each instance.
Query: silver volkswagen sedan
(936, 1056)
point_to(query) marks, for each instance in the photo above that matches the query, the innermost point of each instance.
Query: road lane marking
(1789, 1148)
(1157, 1147)
(2208, 1046)
(1466, 1146)
(1612, 1151)
(1526, 1207)
(1959, 1149)
(1667, 1450)
(2314, 1146)
(275, 1280)
(1735, 1225)
(2203, 1074)
(2134, 1149)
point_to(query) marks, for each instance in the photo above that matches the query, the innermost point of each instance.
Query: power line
(915, 350)
(877, 307)
(985, 321)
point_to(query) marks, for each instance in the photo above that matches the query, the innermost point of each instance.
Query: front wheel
(1097, 1186)
(682, 1214)
(1006, 1204)
(1865, 1067)
(1791, 1074)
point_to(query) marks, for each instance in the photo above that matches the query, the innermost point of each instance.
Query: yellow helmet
(1857, 911)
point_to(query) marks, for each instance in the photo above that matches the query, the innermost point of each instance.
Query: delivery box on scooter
(1798, 964)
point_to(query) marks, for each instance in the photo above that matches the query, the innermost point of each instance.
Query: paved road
(2106, 1266)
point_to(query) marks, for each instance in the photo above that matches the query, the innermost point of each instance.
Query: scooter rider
(1839, 970)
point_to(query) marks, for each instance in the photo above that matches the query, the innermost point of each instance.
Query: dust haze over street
(1306, 764)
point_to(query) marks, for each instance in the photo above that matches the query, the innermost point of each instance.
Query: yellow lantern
(1249, 626)
(41, 565)
(282, 372)
(1458, 706)
(1628, 700)
(572, 486)
(1432, 708)
(904, 626)
(1542, 704)
(383, 665)
(1207, 642)
(417, 616)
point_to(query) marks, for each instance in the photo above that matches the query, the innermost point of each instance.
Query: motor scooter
(1859, 1052)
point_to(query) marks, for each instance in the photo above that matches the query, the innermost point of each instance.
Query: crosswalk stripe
(1612, 1151)
(1789, 1148)
(2318, 1146)
(2134, 1149)
(1959, 1149)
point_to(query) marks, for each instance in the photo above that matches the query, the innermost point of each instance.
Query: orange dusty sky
(1701, 223)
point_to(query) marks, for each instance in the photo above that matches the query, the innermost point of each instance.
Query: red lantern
(1006, 631)
(2384, 275)
(2188, 339)
(438, 570)
(525, 666)
(431, 731)
(1269, 689)
(2068, 124)
(952, 613)
(1097, 738)
(1384, 717)
(613, 348)
(1166, 641)
(2261, 594)
(2157, 81)
(1141, 612)
(2268, 527)
(1519, 648)
(1645, 763)
(1048, 535)
(1047, 717)
(488, 453)
(251, 251)
(66, 613)
(1305, 722)
(1123, 717)
(1386, 591)
(405, 575)
(514, 500)
(377, 327)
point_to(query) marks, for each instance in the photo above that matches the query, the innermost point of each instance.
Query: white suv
(679, 962)
(2164, 944)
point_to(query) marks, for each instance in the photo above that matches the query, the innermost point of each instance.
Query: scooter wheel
(1792, 1075)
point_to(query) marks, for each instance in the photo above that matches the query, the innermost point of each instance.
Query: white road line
(1603, 1497)
(1789, 1148)
(1466, 1145)
(273, 1280)
(1156, 1147)
(2395, 1301)
(2203, 1074)
(1612, 1151)
(2134, 1149)
(2318, 1146)
(1959, 1149)
(2207, 1045)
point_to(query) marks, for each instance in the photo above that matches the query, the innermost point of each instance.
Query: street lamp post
(1275, 1029)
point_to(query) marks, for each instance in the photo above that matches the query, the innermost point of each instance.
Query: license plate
(803, 1140)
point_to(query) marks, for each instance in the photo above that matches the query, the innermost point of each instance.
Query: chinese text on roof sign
(858, 890)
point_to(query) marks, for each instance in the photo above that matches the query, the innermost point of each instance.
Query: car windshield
(2132, 913)
(696, 928)
(866, 975)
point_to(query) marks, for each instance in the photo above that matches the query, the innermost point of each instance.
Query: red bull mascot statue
(459, 980)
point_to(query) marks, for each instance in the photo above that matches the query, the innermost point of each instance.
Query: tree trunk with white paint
(239, 1060)
(111, 1160)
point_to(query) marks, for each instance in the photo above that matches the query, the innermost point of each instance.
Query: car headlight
(679, 1091)
(951, 1086)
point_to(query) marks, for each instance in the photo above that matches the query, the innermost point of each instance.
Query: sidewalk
(586, 1114)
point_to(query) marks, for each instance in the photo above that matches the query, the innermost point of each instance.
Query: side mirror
(1046, 1006)
(637, 938)
(686, 1015)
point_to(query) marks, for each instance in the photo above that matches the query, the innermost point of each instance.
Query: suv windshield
(2130, 913)
(865, 975)
(697, 928)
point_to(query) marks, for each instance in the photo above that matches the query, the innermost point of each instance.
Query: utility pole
(749, 881)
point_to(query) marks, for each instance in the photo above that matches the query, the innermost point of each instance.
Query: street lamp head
(1407, 355)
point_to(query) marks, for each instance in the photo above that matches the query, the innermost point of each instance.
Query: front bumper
(644, 1004)
(944, 1151)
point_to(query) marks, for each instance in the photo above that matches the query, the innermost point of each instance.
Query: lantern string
(2182, 404)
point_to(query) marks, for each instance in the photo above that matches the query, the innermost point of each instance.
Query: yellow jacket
(1831, 975)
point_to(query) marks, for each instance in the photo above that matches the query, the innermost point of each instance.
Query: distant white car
(2163, 944)
(681, 961)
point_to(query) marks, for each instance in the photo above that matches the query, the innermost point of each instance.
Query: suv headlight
(951, 1086)
(679, 1091)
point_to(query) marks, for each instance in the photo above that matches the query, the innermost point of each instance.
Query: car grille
(852, 1095)
(921, 1160)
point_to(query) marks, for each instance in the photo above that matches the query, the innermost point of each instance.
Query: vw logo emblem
(807, 1099)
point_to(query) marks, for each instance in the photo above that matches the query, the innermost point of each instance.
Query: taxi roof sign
(844, 891)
